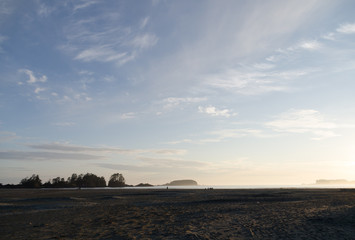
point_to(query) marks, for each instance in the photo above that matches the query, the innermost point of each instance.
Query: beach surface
(177, 214)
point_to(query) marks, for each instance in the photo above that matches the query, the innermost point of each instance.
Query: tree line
(74, 181)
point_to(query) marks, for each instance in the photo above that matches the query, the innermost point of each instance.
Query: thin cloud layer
(63, 147)
(304, 121)
(47, 156)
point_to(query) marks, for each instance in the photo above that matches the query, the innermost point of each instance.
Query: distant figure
(167, 188)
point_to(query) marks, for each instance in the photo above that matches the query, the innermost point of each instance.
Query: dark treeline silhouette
(87, 180)
(75, 181)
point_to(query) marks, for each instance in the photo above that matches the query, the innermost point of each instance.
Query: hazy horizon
(221, 92)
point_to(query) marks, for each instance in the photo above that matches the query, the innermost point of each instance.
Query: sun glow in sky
(222, 92)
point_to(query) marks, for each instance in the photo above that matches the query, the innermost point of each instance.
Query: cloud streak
(174, 102)
(70, 152)
(221, 135)
(76, 148)
(304, 121)
(155, 165)
(111, 42)
(47, 156)
(254, 82)
(213, 111)
(7, 136)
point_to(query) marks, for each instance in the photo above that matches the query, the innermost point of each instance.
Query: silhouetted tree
(72, 181)
(117, 180)
(33, 182)
(91, 180)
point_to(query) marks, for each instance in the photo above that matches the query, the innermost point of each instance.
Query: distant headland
(182, 183)
(335, 181)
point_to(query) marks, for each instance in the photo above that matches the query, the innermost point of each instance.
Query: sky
(222, 92)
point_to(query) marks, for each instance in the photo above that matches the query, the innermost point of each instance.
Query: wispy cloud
(43, 10)
(144, 41)
(46, 156)
(69, 152)
(173, 102)
(263, 66)
(223, 135)
(270, 76)
(77, 94)
(213, 111)
(36, 81)
(7, 136)
(170, 151)
(304, 121)
(252, 82)
(39, 89)
(6, 8)
(310, 45)
(186, 140)
(220, 135)
(329, 36)
(2, 39)
(66, 147)
(84, 4)
(172, 163)
(102, 54)
(182, 167)
(158, 165)
(128, 115)
(346, 28)
(144, 22)
(64, 124)
(32, 78)
(305, 45)
(112, 42)
(62, 147)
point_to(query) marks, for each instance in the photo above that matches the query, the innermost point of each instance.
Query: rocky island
(182, 183)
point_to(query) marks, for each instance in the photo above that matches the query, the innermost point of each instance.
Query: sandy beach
(177, 214)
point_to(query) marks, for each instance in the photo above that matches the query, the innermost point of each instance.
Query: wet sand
(177, 214)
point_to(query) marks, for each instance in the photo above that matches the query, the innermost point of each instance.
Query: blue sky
(223, 92)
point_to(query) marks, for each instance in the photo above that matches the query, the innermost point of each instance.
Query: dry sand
(177, 214)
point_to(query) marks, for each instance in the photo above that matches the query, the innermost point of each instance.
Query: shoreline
(201, 187)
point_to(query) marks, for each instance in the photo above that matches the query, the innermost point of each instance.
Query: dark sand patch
(177, 214)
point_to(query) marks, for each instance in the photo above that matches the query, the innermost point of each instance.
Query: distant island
(144, 185)
(182, 183)
(335, 181)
